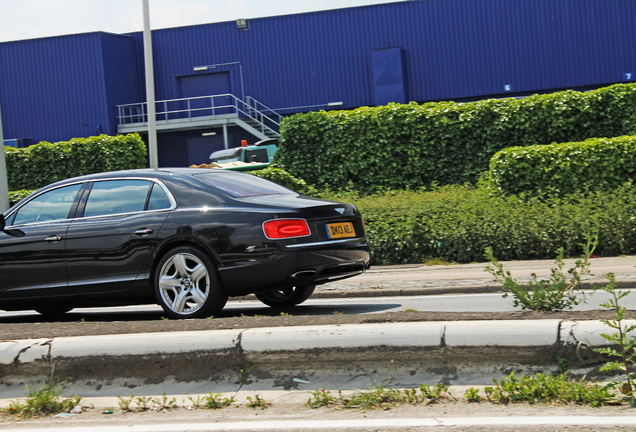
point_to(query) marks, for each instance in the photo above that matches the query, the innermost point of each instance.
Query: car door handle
(53, 238)
(144, 231)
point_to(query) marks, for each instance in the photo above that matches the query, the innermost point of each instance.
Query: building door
(209, 92)
(389, 83)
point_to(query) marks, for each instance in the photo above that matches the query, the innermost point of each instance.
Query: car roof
(183, 178)
(159, 173)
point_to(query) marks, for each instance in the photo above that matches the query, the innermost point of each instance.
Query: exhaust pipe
(304, 274)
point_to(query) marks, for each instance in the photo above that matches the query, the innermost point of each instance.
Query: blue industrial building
(218, 84)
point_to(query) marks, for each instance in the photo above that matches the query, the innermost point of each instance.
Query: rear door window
(116, 197)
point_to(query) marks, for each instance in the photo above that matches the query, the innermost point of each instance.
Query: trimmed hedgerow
(16, 196)
(594, 164)
(410, 146)
(457, 223)
(284, 178)
(40, 164)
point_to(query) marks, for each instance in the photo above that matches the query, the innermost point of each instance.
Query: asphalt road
(386, 290)
(486, 302)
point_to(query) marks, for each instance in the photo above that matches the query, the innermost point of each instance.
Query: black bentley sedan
(184, 238)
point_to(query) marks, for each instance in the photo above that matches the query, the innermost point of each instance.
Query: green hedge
(457, 223)
(44, 163)
(283, 178)
(594, 164)
(16, 196)
(409, 146)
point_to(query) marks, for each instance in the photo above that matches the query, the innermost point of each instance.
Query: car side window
(116, 197)
(49, 206)
(158, 199)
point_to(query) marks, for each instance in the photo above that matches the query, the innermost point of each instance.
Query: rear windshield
(242, 185)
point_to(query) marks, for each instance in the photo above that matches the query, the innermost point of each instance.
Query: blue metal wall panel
(58, 88)
(454, 49)
(122, 83)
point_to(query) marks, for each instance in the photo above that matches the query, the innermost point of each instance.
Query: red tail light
(286, 228)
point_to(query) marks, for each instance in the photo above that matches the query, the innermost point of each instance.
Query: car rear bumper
(311, 263)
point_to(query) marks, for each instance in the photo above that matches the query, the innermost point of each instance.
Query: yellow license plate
(340, 230)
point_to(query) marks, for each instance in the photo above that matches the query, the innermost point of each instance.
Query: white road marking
(361, 423)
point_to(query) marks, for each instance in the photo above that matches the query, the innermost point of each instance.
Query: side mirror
(11, 232)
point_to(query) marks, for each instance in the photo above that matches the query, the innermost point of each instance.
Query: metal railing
(257, 108)
(199, 108)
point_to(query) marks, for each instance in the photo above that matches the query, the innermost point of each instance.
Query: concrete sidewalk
(416, 279)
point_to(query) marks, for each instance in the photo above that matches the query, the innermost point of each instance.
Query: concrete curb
(484, 288)
(453, 352)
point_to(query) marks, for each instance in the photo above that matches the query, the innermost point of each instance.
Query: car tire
(187, 284)
(286, 297)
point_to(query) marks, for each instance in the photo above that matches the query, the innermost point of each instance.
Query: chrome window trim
(117, 215)
(173, 202)
(12, 212)
(67, 220)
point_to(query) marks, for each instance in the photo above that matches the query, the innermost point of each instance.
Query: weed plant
(472, 395)
(134, 403)
(435, 393)
(42, 400)
(322, 398)
(551, 389)
(379, 397)
(146, 403)
(559, 292)
(541, 388)
(165, 403)
(623, 349)
(217, 401)
(257, 402)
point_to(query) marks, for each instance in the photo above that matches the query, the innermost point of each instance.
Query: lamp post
(4, 189)
(150, 90)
